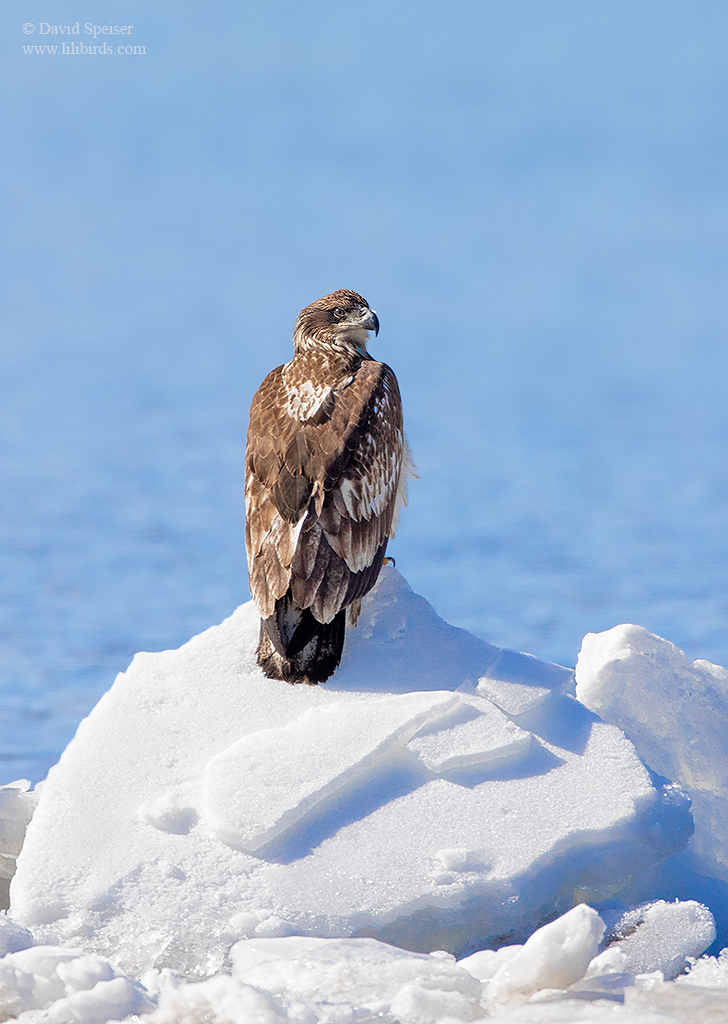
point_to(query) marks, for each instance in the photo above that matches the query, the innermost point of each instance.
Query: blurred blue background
(532, 196)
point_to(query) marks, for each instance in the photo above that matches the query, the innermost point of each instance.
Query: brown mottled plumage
(325, 475)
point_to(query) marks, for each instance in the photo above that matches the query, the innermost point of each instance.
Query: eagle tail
(296, 647)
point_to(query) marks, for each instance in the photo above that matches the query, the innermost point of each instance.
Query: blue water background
(533, 197)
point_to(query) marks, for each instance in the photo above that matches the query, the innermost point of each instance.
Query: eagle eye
(338, 313)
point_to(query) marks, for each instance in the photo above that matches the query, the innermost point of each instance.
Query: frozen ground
(395, 846)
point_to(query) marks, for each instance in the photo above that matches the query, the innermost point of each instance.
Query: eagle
(326, 468)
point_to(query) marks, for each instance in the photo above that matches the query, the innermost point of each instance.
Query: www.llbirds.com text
(74, 48)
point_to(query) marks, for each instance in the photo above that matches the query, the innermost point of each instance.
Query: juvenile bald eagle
(326, 469)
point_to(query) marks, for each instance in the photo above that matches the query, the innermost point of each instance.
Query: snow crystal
(708, 971)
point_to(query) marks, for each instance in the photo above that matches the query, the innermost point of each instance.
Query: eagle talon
(389, 561)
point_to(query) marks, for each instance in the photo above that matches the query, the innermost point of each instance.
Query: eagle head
(341, 320)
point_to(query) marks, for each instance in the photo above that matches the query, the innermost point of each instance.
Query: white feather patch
(304, 400)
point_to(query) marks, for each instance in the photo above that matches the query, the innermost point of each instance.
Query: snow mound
(437, 793)
(623, 675)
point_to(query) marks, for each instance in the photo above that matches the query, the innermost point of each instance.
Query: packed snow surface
(263, 786)
(398, 801)
(216, 846)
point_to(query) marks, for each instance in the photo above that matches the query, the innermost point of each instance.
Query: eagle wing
(322, 494)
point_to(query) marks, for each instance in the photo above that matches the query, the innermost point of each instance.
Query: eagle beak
(370, 321)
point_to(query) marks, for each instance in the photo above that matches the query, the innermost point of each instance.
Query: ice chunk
(274, 927)
(72, 984)
(219, 1000)
(474, 733)
(555, 956)
(611, 961)
(609, 984)
(17, 806)
(660, 936)
(13, 937)
(487, 962)
(676, 714)
(261, 786)
(363, 973)
(106, 1002)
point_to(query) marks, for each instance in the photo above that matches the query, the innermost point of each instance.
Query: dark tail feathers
(296, 647)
